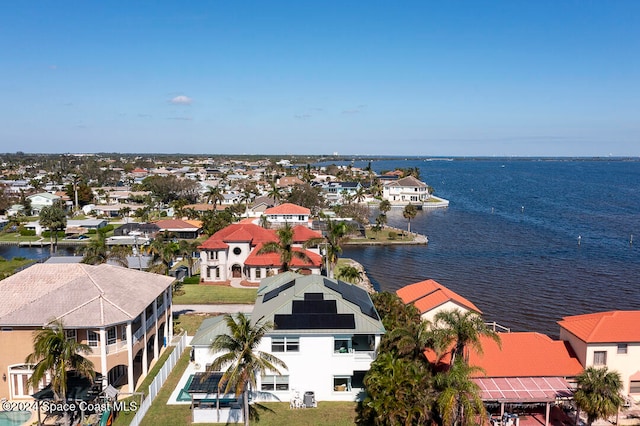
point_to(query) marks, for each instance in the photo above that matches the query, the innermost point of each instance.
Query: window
(258, 273)
(342, 383)
(622, 348)
(600, 358)
(111, 336)
(285, 344)
(70, 335)
(301, 218)
(634, 386)
(274, 383)
(93, 338)
(237, 251)
(341, 345)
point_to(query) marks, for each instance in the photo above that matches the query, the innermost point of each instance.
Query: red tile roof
(429, 294)
(288, 208)
(273, 259)
(302, 234)
(604, 327)
(526, 354)
(175, 224)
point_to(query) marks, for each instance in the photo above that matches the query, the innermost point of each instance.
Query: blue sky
(516, 77)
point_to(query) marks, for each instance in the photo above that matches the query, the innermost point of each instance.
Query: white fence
(157, 383)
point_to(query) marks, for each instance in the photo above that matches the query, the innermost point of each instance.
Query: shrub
(92, 231)
(191, 280)
(27, 232)
(107, 228)
(47, 234)
(393, 235)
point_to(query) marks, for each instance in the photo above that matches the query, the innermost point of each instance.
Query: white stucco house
(41, 200)
(232, 252)
(292, 214)
(610, 339)
(407, 190)
(326, 331)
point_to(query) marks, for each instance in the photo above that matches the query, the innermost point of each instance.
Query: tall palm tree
(459, 401)
(598, 393)
(187, 250)
(461, 329)
(163, 251)
(360, 195)
(55, 218)
(213, 195)
(384, 206)
(275, 193)
(97, 252)
(284, 248)
(336, 235)
(410, 211)
(241, 359)
(53, 353)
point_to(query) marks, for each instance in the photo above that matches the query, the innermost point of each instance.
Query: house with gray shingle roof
(326, 331)
(122, 314)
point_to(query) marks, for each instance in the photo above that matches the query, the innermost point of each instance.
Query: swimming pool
(14, 418)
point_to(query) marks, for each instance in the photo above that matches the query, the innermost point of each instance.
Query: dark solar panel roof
(314, 307)
(276, 291)
(314, 321)
(313, 296)
(355, 295)
(205, 383)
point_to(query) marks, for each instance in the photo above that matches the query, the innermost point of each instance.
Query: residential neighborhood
(141, 234)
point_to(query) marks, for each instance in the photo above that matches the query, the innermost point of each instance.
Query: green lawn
(161, 414)
(190, 322)
(211, 294)
(9, 267)
(384, 235)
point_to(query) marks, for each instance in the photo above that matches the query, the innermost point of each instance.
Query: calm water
(509, 239)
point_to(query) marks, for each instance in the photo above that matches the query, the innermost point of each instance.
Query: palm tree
(53, 353)
(241, 358)
(360, 195)
(163, 251)
(336, 235)
(213, 195)
(598, 393)
(410, 211)
(97, 252)
(350, 274)
(459, 401)
(462, 329)
(275, 193)
(124, 213)
(55, 218)
(384, 206)
(186, 249)
(284, 247)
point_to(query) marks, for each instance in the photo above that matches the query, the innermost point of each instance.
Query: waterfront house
(610, 339)
(407, 190)
(326, 331)
(232, 252)
(525, 369)
(431, 297)
(122, 314)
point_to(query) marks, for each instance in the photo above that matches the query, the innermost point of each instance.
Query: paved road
(222, 308)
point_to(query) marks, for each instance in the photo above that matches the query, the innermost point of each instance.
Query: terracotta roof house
(180, 228)
(431, 297)
(122, 314)
(610, 339)
(232, 253)
(526, 368)
(292, 214)
(287, 181)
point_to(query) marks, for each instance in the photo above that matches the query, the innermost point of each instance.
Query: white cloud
(181, 100)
